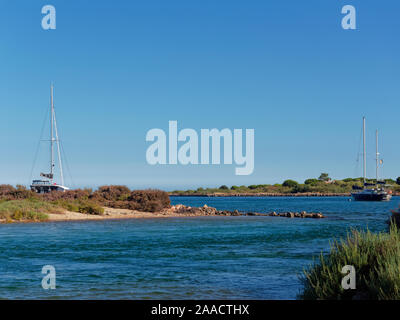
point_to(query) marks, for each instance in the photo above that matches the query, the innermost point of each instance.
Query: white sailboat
(371, 191)
(44, 186)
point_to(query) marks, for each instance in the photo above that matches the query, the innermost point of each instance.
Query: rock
(290, 215)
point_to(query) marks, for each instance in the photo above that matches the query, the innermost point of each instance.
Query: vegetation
(26, 209)
(376, 259)
(290, 184)
(324, 177)
(398, 181)
(322, 185)
(20, 203)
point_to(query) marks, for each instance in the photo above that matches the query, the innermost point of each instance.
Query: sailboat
(48, 184)
(371, 191)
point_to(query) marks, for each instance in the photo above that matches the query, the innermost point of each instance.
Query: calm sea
(180, 258)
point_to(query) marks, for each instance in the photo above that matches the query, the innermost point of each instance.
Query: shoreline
(261, 194)
(177, 211)
(271, 195)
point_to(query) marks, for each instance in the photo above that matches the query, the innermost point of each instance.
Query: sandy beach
(111, 213)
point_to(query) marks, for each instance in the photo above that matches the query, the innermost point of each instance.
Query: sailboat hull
(39, 186)
(362, 196)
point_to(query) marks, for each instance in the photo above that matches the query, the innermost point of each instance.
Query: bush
(27, 209)
(78, 200)
(290, 183)
(112, 193)
(398, 180)
(324, 177)
(90, 208)
(80, 205)
(149, 200)
(76, 194)
(224, 187)
(311, 181)
(8, 192)
(376, 259)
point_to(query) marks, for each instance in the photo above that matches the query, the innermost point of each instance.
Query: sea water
(249, 257)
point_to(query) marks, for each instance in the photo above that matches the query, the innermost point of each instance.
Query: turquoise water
(180, 258)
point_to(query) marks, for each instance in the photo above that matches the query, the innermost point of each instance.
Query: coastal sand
(111, 213)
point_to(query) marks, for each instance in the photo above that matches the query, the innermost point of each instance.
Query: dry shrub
(150, 200)
(76, 194)
(84, 200)
(122, 198)
(111, 193)
(8, 192)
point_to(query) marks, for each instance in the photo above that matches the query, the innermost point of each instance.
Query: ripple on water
(180, 258)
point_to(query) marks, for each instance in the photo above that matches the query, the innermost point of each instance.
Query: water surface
(248, 257)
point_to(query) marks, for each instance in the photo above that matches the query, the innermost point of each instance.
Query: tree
(311, 181)
(290, 183)
(398, 181)
(324, 177)
(224, 187)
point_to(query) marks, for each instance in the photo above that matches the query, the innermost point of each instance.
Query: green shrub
(324, 177)
(27, 209)
(311, 181)
(90, 208)
(224, 187)
(78, 205)
(376, 259)
(290, 183)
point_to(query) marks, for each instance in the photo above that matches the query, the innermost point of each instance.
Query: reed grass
(376, 259)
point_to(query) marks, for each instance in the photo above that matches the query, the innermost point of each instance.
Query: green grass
(27, 209)
(376, 258)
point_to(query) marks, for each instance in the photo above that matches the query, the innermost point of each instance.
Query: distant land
(323, 186)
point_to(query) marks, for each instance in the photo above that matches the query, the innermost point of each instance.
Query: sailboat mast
(377, 158)
(364, 153)
(51, 132)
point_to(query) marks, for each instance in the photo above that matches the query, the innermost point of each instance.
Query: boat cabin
(44, 186)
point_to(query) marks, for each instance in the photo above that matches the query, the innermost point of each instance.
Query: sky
(286, 69)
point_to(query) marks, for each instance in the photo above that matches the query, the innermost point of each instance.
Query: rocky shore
(210, 211)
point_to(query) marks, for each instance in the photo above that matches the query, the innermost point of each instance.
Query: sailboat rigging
(44, 186)
(371, 191)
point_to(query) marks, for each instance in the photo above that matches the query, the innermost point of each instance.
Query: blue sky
(120, 68)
